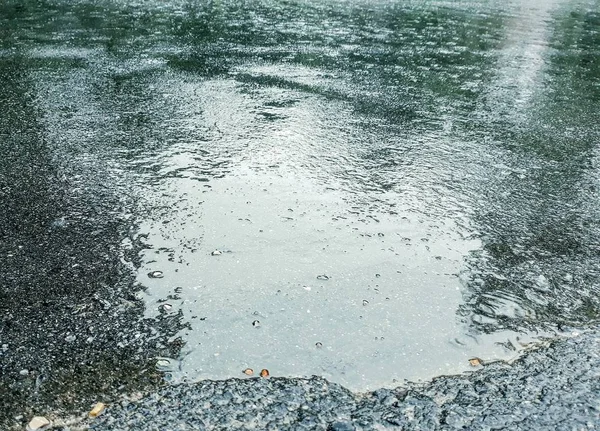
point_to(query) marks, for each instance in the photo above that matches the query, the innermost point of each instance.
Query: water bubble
(322, 277)
(155, 274)
(216, 253)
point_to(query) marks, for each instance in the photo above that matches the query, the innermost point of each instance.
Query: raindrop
(322, 277)
(155, 274)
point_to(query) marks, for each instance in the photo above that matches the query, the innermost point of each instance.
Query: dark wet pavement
(554, 388)
(370, 192)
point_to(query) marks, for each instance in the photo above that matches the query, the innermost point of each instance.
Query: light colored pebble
(38, 423)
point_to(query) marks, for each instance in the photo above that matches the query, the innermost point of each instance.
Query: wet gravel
(556, 387)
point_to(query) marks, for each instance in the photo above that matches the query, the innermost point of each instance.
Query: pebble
(264, 373)
(475, 362)
(24, 372)
(156, 274)
(97, 410)
(256, 323)
(38, 423)
(248, 371)
(70, 338)
(216, 253)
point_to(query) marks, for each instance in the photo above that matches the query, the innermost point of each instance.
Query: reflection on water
(392, 188)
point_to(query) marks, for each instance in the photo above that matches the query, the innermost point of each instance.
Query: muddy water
(366, 191)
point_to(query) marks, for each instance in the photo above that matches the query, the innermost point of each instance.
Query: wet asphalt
(420, 180)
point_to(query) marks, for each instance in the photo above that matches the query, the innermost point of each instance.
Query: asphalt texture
(553, 388)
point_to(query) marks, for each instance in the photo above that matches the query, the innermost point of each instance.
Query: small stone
(264, 373)
(341, 426)
(322, 277)
(542, 283)
(319, 345)
(475, 362)
(248, 371)
(167, 307)
(97, 410)
(365, 302)
(38, 423)
(24, 372)
(156, 274)
(256, 323)
(216, 253)
(70, 338)
(163, 364)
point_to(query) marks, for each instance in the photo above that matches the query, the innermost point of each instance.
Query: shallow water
(393, 187)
